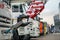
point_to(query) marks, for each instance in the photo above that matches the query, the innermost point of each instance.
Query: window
(15, 8)
(21, 8)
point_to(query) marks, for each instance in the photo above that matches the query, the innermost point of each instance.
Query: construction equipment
(35, 8)
(21, 8)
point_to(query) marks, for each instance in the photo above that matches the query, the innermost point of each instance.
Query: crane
(35, 8)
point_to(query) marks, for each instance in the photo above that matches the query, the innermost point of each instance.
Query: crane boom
(35, 8)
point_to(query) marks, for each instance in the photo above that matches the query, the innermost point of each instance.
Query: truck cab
(17, 10)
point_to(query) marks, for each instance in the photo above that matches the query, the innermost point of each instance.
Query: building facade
(57, 22)
(59, 11)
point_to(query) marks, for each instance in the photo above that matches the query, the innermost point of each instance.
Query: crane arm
(35, 8)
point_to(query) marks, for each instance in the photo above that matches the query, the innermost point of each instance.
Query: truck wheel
(15, 35)
(27, 37)
(11, 38)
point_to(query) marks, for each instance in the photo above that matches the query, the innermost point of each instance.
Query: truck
(33, 29)
(11, 19)
(17, 10)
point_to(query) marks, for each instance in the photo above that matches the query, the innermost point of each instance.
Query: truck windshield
(15, 8)
(21, 8)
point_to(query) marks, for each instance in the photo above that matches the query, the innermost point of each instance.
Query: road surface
(53, 36)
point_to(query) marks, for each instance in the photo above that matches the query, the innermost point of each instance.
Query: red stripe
(37, 2)
(29, 12)
(37, 7)
(36, 11)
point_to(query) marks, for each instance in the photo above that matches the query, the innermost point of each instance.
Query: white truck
(17, 10)
(10, 17)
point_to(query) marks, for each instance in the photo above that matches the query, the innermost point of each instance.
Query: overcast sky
(51, 8)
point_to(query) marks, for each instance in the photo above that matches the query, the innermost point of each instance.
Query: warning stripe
(35, 8)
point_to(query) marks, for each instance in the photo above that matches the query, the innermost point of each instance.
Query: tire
(15, 35)
(12, 38)
(27, 37)
(21, 37)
